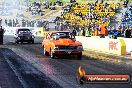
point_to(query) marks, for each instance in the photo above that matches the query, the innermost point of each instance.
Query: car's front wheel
(16, 42)
(52, 55)
(45, 52)
(32, 41)
(79, 56)
(21, 42)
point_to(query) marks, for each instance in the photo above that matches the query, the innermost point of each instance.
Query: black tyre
(52, 55)
(45, 52)
(79, 56)
(29, 42)
(32, 42)
(16, 42)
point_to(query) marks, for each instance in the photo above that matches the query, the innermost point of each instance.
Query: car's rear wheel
(16, 42)
(52, 55)
(45, 52)
(32, 41)
(79, 56)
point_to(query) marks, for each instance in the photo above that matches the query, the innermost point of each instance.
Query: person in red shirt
(103, 31)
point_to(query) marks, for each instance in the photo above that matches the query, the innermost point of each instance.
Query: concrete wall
(105, 45)
(94, 43)
(128, 42)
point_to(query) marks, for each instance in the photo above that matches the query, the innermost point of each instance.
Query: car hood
(67, 42)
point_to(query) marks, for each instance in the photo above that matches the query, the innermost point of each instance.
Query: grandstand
(92, 15)
(80, 15)
(127, 17)
(85, 14)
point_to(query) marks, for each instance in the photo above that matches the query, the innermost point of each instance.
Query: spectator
(74, 32)
(83, 31)
(127, 32)
(103, 30)
(0, 21)
(1, 35)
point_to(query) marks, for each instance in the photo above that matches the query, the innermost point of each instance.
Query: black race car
(24, 35)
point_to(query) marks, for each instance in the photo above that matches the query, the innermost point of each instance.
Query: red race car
(60, 43)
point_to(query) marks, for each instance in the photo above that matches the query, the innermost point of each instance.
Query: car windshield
(63, 35)
(23, 30)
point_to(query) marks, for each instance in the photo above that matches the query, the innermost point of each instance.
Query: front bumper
(69, 52)
(23, 38)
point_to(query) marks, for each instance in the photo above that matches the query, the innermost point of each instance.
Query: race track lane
(63, 70)
(29, 76)
(7, 77)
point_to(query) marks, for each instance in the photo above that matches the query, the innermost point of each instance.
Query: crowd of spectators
(36, 8)
(126, 22)
(86, 19)
(87, 16)
(21, 23)
(127, 17)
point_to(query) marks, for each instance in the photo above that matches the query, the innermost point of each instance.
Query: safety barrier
(128, 42)
(104, 45)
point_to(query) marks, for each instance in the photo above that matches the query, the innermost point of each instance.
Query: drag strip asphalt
(7, 77)
(27, 74)
(60, 72)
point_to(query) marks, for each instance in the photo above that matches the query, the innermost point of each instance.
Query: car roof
(22, 29)
(58, 31)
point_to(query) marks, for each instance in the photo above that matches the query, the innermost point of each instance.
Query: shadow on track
(31, 76)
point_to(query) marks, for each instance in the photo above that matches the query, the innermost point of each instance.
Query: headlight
(80, 47)
(56, 47)
(18, 37)
(32, 36)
